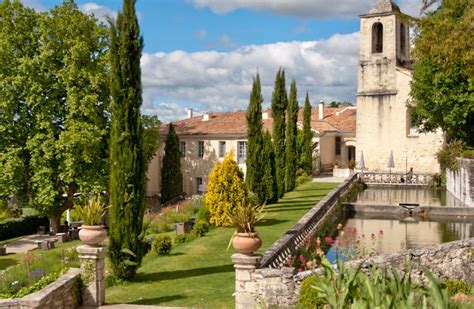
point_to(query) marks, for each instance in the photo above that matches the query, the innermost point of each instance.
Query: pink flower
(372, 236)
(329, 240)
(300, 269)
(301, 259)
(381, 232)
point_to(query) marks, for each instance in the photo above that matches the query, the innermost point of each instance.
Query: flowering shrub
(353, 245)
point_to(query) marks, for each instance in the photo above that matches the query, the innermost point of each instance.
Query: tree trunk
(54, 223)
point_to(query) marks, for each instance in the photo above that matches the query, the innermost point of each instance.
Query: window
(377, 38)
(221, 149)
(402, 39)
(242, 152)
(338, 146)
(182, 148)
(199, 185)
(201, 149)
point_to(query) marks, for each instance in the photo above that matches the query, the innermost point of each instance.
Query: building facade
(207, 138)
(383, 116)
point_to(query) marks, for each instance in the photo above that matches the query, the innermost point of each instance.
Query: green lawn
(200, 273)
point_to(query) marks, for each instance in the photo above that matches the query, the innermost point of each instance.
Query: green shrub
(182, 238)
(309, 295)
(11, 228)
(162, 244)
(203, 213)
(303, 178)
(468, 154)
(447, 156)
(456, 286)
(201, 228)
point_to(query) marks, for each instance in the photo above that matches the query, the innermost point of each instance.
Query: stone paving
(328, 179)
(25, 244)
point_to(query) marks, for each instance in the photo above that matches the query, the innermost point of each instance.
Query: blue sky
(204, 53)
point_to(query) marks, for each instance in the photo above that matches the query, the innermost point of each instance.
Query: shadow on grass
(270, 222)
(7, 262)
(157, 300)
(289, 209)
(315, 189)
(306, 197)
(185, 273)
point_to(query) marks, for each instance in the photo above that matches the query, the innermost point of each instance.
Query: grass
(14, 259)
(200, 273)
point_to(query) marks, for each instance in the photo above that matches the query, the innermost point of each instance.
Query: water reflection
(408, 233)
(394, 196)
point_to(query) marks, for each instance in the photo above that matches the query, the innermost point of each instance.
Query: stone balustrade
(295, 237)
(371, 178)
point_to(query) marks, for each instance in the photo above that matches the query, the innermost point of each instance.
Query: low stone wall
(62, 293)
(267, 287)
(424, 211)
(461, 182)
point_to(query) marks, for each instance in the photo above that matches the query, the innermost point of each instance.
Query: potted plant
(92, 232)
(244, 218)
(336, 164)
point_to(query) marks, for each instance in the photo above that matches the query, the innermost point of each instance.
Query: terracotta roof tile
(235, 123)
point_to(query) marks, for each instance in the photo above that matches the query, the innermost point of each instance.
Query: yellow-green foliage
(226, 188)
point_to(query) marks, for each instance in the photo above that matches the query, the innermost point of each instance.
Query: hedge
(16, 227)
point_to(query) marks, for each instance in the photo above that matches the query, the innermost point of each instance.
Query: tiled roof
(235, 123)
(384, 6)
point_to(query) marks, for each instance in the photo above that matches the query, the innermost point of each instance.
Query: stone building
(383, 119)
(206, 139)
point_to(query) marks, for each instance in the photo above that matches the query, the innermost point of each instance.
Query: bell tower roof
(384, 6)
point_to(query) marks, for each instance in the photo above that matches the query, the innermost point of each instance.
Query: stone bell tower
(384, 75)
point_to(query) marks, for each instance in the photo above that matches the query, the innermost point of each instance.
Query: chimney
(205, 117)
(321, 110)
(190, 113)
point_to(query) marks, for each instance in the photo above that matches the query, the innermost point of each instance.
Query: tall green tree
(53, 106)
(307, 153)
(269, 174)
(291, 130)
(279, 105)
(255, 168)
(151, 137)
(443, 76)
(171, 176)
(127, 172)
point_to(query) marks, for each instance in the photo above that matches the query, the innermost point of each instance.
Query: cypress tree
(307, 138)
(255, 168)
(279, 104)
(127, 172)
(171, 176)
(269, 176)
(291, 130)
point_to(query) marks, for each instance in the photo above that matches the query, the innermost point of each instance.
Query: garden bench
(61, 237)
(46, 244)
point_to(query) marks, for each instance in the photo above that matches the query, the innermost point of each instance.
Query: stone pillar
(245, 266)
(92, 274)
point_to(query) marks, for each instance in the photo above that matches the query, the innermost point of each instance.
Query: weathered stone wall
(461, 182)
(269, 287)
(62, 293)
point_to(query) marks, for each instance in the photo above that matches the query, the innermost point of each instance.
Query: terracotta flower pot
(246, 243)
(92, 235)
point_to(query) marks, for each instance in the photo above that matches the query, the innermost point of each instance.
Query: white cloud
(299, 8)
(99, 11)
(221, 81)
